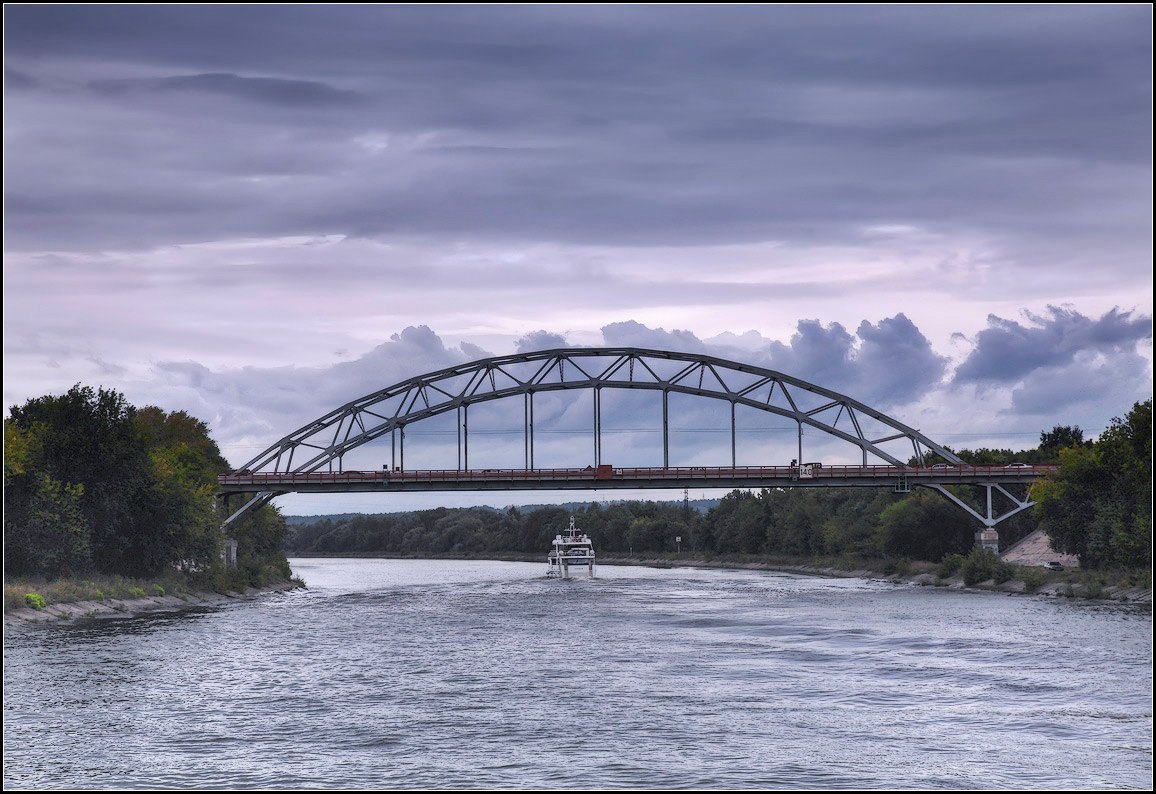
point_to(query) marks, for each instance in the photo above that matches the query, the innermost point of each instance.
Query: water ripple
(436, 675)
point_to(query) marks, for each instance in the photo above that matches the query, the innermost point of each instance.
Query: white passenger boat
(571, 549)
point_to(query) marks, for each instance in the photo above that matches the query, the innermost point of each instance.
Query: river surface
(450, 674)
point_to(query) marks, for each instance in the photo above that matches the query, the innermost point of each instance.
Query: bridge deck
(808, 475)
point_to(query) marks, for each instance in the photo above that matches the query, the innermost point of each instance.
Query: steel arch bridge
(304, 460)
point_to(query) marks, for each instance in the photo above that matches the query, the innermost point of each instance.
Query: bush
(34, 600)
(136, 592)
(1002, 571)
(949, 565)
(900, 567)
(981, 565)
(1033, 578)
(158, 590)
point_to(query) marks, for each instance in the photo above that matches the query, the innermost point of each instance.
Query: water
(437, 674)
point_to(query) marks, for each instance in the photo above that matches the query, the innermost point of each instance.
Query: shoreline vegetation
(1134, 586)
(70, 599)
(106, 502)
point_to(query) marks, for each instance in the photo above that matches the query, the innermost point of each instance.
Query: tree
(1097, 505)
(93, 482)
(924, 526)
(88, 438)
(1058, 438)
(1061, 437)
(45, 533)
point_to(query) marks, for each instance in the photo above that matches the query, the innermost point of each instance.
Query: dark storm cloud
(608, 124)
(1008, 350)
(895, 362)
(883, 364)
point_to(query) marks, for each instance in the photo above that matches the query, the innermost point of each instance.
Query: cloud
(15, 79)
(822, 355)
(895, 362)
(1089, 380)
(1007, 350)
(539, 340)
(269, 90)
(237, 192)
(690, 129)
(634, 334)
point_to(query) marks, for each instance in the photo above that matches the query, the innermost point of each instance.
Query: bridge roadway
(808, 475)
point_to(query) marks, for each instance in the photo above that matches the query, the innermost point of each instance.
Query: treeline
(93, 484)
(789, 522)
(1096, 507)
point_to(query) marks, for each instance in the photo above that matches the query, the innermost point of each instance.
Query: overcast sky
(258, 213)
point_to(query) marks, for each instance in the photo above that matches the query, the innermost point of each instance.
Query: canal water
(449, 674)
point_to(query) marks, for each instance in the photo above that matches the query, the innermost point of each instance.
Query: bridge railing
(282, 480)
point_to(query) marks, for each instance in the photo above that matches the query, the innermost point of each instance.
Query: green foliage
(95, 484)
(97, 587)
(260, 539)
(924, 526)
(87, 438)
(158, 589)
(1059, 438)
(15, 451)
(1002, 571)
(1032, 578)
(949, 565)
(900, 567)
(976, 566)
(980, 565)
(46, 532)
(1098, 505)
(34, 600)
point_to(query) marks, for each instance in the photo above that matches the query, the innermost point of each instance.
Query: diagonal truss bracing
(324, 441)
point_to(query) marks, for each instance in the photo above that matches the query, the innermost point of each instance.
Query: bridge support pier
(988, 537)
(229, 553)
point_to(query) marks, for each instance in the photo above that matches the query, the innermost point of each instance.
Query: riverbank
(1032, 581)
(131, 607)
(1024, 581)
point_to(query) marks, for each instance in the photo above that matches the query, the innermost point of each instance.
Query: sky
(256, 214)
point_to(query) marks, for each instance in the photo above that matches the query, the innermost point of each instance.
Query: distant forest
(1097, 507)
(801, 522)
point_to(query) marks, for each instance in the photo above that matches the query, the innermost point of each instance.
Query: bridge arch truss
(322, 443)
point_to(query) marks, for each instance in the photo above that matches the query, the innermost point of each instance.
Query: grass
(102, 588)
(93, 588)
